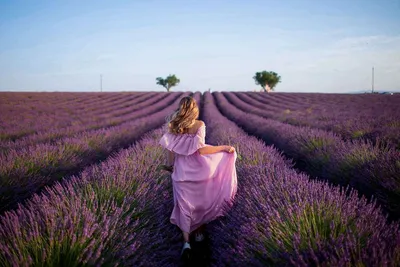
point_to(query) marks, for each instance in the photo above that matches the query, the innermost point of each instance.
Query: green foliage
(168, 82)
(360, 156)
(357, 134)
(317, 143)
(265, 78)
(15, 136)
(394, 124)
(315, 222)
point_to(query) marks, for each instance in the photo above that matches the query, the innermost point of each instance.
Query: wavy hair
(184, 117)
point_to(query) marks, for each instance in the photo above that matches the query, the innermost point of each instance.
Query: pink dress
(201, 183)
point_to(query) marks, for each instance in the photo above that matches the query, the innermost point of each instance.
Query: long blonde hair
(184, 117)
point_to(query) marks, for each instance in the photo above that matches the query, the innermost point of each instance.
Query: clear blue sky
(315, 45)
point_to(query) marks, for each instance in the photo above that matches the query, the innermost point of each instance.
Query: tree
(168, 82)
(267, 79)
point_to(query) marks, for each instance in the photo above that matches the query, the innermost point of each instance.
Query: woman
(203, 176)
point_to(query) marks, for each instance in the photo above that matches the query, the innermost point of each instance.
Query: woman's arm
(215, 149)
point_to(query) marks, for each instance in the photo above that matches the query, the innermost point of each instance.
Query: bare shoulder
(196, 127)
(200, 124)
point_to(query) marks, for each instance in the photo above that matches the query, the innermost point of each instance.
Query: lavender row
(98, 108)
(382, 131)
(21, 122)
(379, 120)
(25, 171)
(126, 108)
(375, 117)
(56, 116)
(346, 107)
(369, 168)
(18, 120)
(31, 106)
(95, 107)
(16, 98)
(347, 102)
(102, 217)
(282, 218)
(133, 111)
(122, 103)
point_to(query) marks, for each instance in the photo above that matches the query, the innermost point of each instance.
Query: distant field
(79, 182)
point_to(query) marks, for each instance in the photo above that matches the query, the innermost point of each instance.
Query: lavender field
(318, 179)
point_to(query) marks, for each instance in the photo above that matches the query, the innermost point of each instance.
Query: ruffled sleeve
(184, 144)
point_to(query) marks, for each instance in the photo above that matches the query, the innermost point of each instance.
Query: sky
(314, 45)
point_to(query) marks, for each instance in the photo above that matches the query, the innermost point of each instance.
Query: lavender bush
(373, 117)
(102, 217)
(98, 218)
(325, 155)
(120, 115)
(20, 116)
(116, 213)
(282, 218)
(24, 172)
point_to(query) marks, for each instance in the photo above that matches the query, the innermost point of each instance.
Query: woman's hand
(229, 149)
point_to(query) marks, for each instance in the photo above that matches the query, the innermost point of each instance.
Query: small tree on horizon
(168, 82)
(267, 79)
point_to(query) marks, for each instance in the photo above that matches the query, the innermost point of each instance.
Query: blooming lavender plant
(282, 218)
(20, 117)
(325, 155)
(122, 114)
(26, 171)
(98, 218)
(353, 117)
(114, 214)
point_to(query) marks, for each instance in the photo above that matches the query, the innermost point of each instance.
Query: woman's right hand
(229, 149)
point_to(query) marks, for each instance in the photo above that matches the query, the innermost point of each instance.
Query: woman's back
(195, 127)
